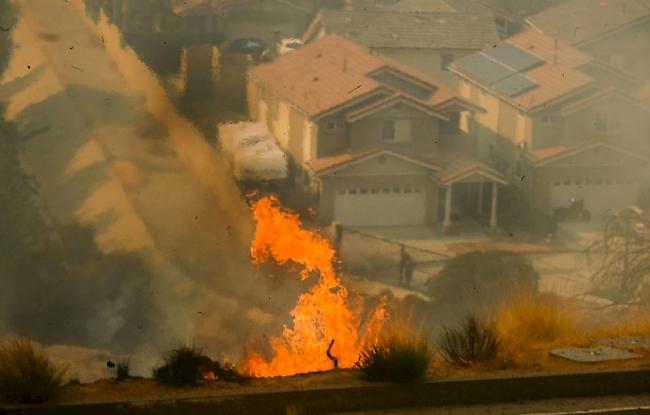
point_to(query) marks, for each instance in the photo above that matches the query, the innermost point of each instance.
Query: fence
(383, 259)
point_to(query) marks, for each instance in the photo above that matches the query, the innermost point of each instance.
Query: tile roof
(548, 152)
(644, 92)
(331, 72)
(557, 77)
(409, 29)
(577, 21)
(420, 5)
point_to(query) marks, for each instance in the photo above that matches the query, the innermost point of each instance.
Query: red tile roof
(549, 152)
(330, 72)
(557, 77)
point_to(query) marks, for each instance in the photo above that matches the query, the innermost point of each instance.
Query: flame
(322, 313)
(209, 376)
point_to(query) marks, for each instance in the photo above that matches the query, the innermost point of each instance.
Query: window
(363, 191)
(388, 131)
(408, 190)
(374, 191)
(445, 61)
(606, 121)
(385, 190)
(342, 191)
(353, 191)
(418, 190)
(396, 190)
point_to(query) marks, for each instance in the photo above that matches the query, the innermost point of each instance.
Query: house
(402, 5)
(558, 122)
(376, 141)
(427, 41)
(508, 14)
(616, 31)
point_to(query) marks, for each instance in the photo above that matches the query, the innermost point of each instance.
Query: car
(250, 46)
(288, 44)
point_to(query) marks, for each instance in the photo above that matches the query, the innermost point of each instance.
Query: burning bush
(182, 367)
(396, 358)
(534, 318)
(473, 341)
(26, 373)
(187, 365)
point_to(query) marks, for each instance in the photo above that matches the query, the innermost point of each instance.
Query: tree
(621, 256)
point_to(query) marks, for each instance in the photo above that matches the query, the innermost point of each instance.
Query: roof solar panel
(483, 68)
(514, 85)
(513, 57)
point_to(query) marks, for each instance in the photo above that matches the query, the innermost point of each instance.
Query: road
(601, 405)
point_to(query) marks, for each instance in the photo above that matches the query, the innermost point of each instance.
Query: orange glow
(209, 376)
(322, 313)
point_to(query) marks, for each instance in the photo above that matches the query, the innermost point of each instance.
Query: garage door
(380, 206)
(598, 195)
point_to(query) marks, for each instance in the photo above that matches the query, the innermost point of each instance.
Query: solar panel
(514, 85)
(513, 57)
(484, 69)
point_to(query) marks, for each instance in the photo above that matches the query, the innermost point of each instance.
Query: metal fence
(378, 258)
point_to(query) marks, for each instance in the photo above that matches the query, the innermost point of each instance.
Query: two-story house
(562, 124)
(427, 41)
(377, 141)
(616, 31)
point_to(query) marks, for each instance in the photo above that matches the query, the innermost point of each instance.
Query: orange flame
(321, 314)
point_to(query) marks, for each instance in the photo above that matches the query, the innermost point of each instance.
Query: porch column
(493, 212)
(447, 221)
(480, 198)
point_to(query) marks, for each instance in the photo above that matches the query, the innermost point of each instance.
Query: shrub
(182, 367)
(26, 373)
(123, 370)
(516, 214)
(534, 318)
(482, 280)
(472, 341)
(396, 359)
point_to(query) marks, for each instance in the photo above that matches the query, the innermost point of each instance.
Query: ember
(321, 314)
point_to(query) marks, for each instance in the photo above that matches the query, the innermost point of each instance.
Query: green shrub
(516, 214)
(472, 341)
(482, 279)
(396, 359)
(182, 367)
(26, 373)
(123, 370)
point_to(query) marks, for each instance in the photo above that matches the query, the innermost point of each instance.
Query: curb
(375, 396)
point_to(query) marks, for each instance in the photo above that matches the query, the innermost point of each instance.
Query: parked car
(288, 44)
(249, 46)
(251, 152)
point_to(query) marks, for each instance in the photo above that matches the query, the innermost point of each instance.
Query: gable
(382, 164)
(597, 155)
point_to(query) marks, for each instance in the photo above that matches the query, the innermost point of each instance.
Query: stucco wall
(629, 49)
(424, 129)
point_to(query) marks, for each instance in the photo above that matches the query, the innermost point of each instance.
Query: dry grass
(26, 373)
(531, 320)
(473, 341)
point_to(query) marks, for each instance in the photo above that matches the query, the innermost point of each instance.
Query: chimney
(557, 43)
(345, 64)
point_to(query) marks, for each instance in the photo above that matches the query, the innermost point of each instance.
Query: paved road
(619, 405)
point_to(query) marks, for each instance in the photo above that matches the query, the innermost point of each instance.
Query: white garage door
(598, 195)
(380, 206)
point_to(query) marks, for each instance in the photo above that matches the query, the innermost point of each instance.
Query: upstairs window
(445, 61)
(606, 121)
(388, 131)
